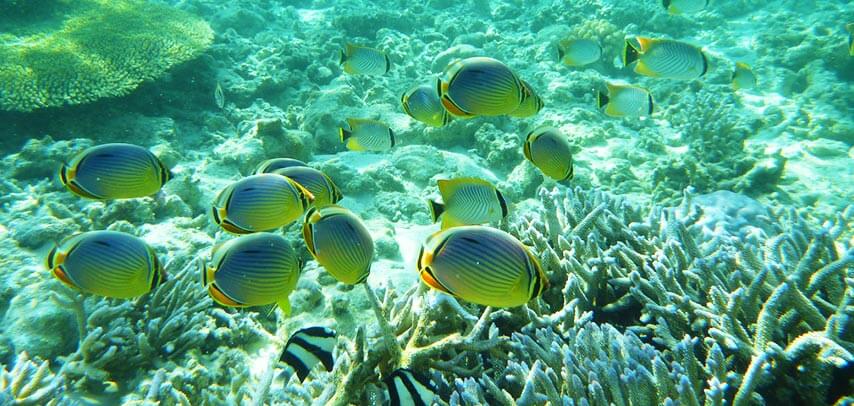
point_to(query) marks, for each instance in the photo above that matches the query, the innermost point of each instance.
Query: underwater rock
(501, 149)
(419, 163)
(41, 158)
(461, 51)
(280, 142)
(730, 213)
(401, 207)
(38, 326)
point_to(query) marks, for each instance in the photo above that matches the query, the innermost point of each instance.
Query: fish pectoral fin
(353, 145)
(427, 276)
(60, 274)
(285, 305)
(643, 69)
(449, 221)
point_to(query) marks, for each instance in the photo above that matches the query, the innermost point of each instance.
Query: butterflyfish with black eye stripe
(106, 263)
(468, 201)
(579, 52)
(114, 171)
(366, 135)
(684, 6)
(252, 270)
(308, 347)
(743, 77)
(665, 58)
(271, 165)
(423, 104)
(359, 60)
(625, 101)
(550, 152)
(260, 203)
(480, 86)
(481, 265)
(340, 242)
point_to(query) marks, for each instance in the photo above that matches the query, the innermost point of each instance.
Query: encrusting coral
(102, 49)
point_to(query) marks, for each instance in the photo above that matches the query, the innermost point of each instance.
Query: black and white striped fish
(407, 389)
(308, 347)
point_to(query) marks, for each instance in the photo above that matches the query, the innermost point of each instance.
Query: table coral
(102, 49)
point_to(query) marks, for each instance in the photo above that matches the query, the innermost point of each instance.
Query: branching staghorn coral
(120, 337)
(773, 304)
(29, 383)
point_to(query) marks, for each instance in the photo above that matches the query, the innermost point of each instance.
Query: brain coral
(92, 49)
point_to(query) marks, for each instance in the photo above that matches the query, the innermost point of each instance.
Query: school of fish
(468, 258)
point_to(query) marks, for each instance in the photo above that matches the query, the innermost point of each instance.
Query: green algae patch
(100, 49)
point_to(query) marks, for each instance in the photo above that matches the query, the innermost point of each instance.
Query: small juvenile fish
(531, 103)
(482, 265)
(625, 101)
(339, 242)
(480, 86)
(260, 203)
(423, 104)
(468, 201)
(253, 270)
(665, 58)
(684, 6)
(367, 135)
(407, 389)
(271, 165)
(114, 171)
(316, 182)
(743, 77)
(549, 150)
(579, 52)
(359, 60)
(219, 97)
(307, 348)
(106, 263)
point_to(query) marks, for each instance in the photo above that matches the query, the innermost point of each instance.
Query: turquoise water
(700, 254)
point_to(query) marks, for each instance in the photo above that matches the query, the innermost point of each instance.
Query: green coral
(104, 49)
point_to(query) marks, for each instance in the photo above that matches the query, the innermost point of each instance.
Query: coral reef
(102, 49)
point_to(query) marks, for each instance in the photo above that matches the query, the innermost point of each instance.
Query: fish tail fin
(342, 57)
(630, 54)
(436, 209)
(344, 134)
(601, 99)
(705, 63)
(285, 305)
(391, 137)
(560, 53)
(387, 64)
